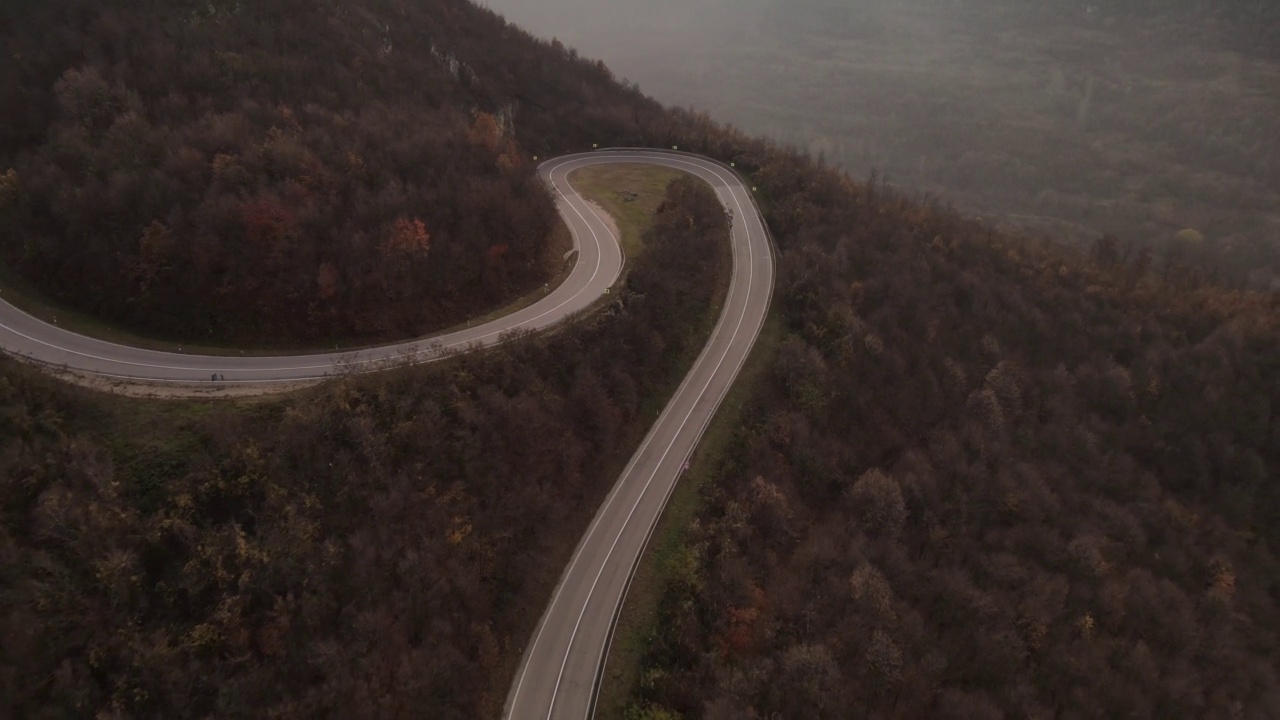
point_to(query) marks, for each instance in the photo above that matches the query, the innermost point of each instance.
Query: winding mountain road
(597, 268)
(558, 676)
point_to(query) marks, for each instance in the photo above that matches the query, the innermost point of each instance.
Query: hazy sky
(690, 52)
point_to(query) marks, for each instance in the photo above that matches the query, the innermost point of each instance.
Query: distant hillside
(378, 547)
(1064, 118)
(986, 478)
(285, 171)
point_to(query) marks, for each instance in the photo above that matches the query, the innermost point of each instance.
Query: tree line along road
(558, 675)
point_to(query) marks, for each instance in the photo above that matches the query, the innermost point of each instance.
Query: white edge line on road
(389, 354)
(676, 162)
(617, 488)
(626, 590)
(661, 460)
(585, 161)
(430, 349)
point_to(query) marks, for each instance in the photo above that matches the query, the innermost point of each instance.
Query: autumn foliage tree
(288, 152)
(408, 240)
(378, 545)
(270, 227)
(983, 477)
(1017, 480)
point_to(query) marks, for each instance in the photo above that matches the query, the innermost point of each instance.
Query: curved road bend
(559, 672)
(597, 268)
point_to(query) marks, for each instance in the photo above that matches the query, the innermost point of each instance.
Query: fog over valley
(1065, 119)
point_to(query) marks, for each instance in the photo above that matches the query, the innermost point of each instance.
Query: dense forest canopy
(986, 476)
(985, 480)
(283, 171)
(379, 547)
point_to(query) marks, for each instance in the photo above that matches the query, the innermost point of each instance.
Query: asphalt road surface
(563, 660)
(598, 265)
(558, 677)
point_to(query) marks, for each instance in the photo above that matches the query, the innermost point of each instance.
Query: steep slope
(380, 546)
(285, 171)
(987, 478)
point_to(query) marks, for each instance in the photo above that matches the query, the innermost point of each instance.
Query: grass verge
(639, 215)
(16, 291)
(631, 193)
(668, 555)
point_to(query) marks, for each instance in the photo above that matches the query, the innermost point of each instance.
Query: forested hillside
(380, 547)
(284, 171)
(986, 479)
